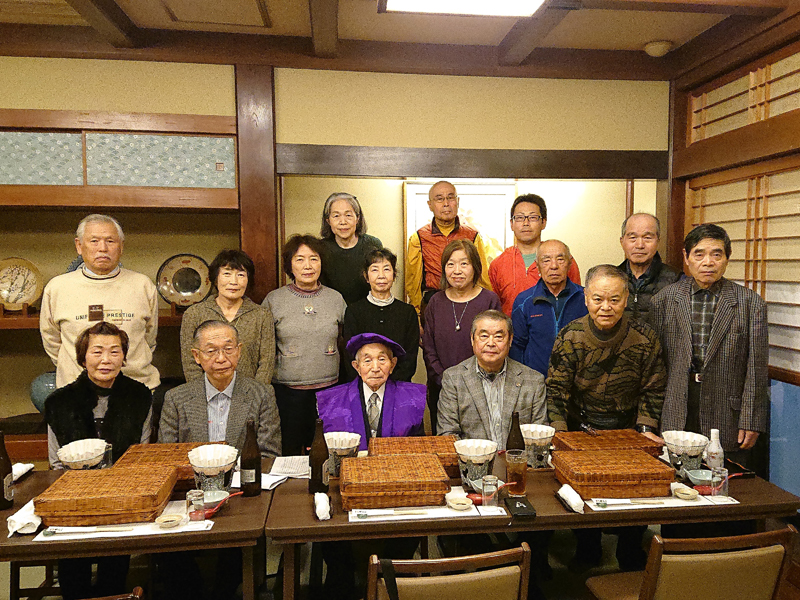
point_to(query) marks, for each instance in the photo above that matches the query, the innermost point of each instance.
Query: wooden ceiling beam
(324, 27)
(352, 55)
(110, 21)
(760, 8)
(527, 34)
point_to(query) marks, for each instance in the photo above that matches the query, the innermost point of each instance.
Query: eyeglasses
(523, 218)
(214, 352)
(441, 199)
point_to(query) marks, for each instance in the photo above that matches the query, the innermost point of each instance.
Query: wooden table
(291, 521)
(239, 524)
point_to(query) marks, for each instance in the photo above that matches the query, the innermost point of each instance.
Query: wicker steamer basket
(393, 481)
(107, 496)
(610, 439)
(172, 455)
(442, 446)
(617, 474)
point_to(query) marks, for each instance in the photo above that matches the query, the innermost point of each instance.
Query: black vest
(68, 412)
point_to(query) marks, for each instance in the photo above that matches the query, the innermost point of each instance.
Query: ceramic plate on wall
(20, 283)
(183, 279)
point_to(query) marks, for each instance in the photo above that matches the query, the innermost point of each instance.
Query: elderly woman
(380, 312)
(448, 316)
(308, 317)
(232, 273)
(101, 403)
(345, 244)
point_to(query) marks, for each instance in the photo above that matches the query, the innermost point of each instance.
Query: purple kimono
(341, 409)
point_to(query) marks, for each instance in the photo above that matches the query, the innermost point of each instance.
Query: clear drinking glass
(719, 482)
(489, 491)
(516, 469)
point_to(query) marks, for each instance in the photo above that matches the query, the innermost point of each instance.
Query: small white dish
(459, 503)
(214, 497)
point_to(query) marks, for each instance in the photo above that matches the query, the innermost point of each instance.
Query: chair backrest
(136, 594)
(503, 576)
(746, 567)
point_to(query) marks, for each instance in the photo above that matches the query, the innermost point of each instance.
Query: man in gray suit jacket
(480, 393)
(714, 338)
(216, 407)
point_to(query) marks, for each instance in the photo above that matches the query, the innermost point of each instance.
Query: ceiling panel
(626, 30)
(231, 12)
(39, 12)
(359, 20)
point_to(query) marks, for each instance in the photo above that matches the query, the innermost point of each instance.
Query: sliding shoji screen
(766, 90)
(759, 207)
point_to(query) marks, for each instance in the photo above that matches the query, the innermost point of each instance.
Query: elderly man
(714, 334)
(606, 372)
(480, 393)
(100, 290)
(543, 310)
(373, 405)
(424, 257)
(216, 407)
(517, 269)
(646, 273)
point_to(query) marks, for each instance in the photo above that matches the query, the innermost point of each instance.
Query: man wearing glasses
(515, 270)
(216, 408)
(425, 246)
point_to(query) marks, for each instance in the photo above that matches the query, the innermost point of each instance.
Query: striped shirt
(493, 384)
(219, 405)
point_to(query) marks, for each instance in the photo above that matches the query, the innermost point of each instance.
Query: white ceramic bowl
(539, 435)
(699, 476)
(476, 451)
(342, 441)
(213, 459)
(82, 454)
(685, 442)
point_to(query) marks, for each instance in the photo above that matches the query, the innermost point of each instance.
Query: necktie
(373, 413)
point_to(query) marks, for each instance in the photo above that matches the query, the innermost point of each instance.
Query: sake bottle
(7, 498)
(250, 471)
(715, 457)
(515, 440)
(318, 459)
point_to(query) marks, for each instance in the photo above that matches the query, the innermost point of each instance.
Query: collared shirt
(219, 405)
(92, 275)
(639, 282)
(704, 303)
(493, 384)
(368, 394)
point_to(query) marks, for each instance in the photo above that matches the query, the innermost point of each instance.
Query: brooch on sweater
(309, 309)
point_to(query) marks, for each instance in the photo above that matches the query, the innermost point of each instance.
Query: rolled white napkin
(19, 469)
(24, 520)
(322, 506)
(571, 497)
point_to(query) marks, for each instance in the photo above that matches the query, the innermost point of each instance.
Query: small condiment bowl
(699, 476)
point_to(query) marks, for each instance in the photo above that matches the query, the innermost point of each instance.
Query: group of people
(640, 346)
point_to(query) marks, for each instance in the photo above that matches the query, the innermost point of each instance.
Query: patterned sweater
(625, 373)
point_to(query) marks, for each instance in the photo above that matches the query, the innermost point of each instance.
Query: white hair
(97, 218)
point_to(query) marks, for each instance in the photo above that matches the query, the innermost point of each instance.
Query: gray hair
(325, 231)
(97, 218)
(606, 271)
(492, 315)
(211, 325)
(658, 223)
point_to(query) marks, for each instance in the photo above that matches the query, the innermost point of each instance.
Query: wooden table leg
(291, 573)
(248, 587)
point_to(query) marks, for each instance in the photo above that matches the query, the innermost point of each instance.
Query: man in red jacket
(515, 270)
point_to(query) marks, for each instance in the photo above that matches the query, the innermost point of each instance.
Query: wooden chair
(504, 576)
(745, 567)
(136, 594)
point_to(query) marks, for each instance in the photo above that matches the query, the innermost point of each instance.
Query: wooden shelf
(166, 318)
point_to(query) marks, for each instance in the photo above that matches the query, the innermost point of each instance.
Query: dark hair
(232, 259)
(101, 328)
(325, 231)
(606, 271)
(533, 199)
(212, 324)
(707, 231)
(379, 255)
(291, 247)
(472, 254)
(493, 315)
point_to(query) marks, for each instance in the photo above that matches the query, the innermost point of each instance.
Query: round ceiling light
(658, 48)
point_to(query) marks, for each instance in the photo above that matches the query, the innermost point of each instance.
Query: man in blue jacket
(540, 312)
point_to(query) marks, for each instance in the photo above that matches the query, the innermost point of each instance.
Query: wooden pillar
(678, 108)
(628, 198)
(258, 198)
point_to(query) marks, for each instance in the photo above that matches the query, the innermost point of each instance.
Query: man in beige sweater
(100, 290)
